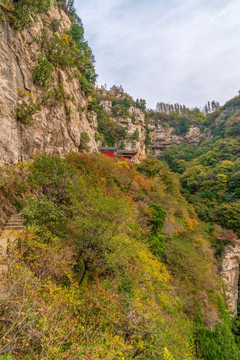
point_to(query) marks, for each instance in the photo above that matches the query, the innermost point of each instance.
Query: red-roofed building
(113, 152)
(108, 151)
(126, 154)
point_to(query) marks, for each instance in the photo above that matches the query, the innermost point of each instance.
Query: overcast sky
(185, 51)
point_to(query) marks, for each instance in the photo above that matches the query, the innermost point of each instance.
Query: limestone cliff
(230, 274)
(57, 127)
(164, 136)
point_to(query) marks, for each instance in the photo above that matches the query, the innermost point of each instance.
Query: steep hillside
(210, 172)
(113, 263)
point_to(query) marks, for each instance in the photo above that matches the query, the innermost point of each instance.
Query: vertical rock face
(52, 130)
(164, 136)
(9, 72)
(230, 274)
(139, 125)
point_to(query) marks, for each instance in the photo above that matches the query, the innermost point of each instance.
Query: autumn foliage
(89, 277)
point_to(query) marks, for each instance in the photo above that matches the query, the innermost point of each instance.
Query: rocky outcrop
(133, 127)
(164, 136)
(230, 274)
(52, 129)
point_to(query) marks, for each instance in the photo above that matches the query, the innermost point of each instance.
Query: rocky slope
(52, 129)
(163, 137)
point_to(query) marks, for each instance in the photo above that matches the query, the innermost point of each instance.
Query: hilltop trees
(141, 104)
(167, 108)
(170, 108)
(69, 8)
(211, 107)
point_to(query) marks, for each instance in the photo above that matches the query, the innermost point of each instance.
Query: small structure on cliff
(108, 151)
(126, 154)
(114, 152)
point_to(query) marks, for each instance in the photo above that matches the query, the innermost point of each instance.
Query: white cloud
(183, 51)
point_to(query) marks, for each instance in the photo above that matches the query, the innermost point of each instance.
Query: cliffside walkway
(15, 223)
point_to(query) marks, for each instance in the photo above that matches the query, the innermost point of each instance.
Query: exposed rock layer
(163, 137)
(230, 274)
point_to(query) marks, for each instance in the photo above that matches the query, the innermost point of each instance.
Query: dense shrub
(150, 167)
(98, 233)
(77, 33)
(42, 72)
(84, 140)
(136, 135)
(148, 139)
(120, 107)
(65, 52)
(25, 11)
(54, 177)
(111, 131)
(55, 24)
(182, 127)
(228, 215)
(156, 238)
(217, 344)
(5, 7)
(60, 51)
(26, 110)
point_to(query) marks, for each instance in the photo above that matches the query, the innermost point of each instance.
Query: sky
(185, 51)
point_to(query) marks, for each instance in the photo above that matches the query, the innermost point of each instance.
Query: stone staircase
(15, 223)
